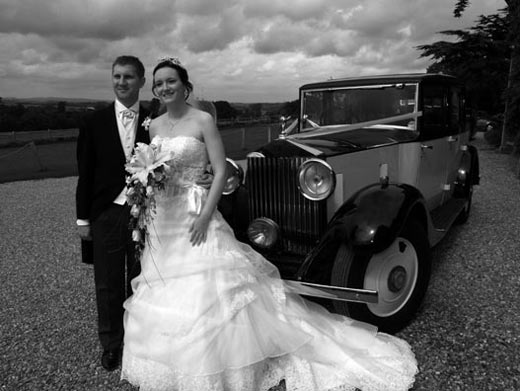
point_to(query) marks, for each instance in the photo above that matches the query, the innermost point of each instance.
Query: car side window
(434, 109)
(454, 109)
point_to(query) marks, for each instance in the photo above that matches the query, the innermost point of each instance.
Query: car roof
(382, 79)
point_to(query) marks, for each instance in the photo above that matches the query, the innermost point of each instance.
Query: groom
(105, 143)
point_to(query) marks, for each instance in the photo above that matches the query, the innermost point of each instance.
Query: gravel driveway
(465, 336)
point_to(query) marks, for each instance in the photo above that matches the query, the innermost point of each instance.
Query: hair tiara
(171, 60)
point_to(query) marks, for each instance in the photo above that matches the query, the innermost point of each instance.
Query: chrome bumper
(332, 292)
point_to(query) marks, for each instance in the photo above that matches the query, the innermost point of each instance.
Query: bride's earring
(186, 94)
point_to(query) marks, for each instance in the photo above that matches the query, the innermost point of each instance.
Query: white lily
(145, 160)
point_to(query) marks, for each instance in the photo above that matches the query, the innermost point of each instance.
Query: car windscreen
(360, 104)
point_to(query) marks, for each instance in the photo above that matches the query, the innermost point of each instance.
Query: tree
(479, 57)
(255, 110)
(290, 109)
(61, 107)
(225, 110)
(512, 92)
(460, 7)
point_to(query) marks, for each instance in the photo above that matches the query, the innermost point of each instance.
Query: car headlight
(263, 232)
(234, 177)
(316, 179)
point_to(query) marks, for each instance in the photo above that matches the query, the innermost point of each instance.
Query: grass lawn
(40, 161)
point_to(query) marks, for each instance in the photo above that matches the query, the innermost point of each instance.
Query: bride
(208, 312)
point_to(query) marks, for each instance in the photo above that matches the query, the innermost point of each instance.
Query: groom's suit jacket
(101, 161)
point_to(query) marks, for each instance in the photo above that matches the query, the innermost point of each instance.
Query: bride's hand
(198, 230)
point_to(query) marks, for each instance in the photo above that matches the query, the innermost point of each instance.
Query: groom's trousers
(114, 267)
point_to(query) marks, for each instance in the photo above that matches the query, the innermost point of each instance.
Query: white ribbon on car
(331, 129)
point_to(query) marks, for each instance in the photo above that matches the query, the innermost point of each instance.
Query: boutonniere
(146, 123)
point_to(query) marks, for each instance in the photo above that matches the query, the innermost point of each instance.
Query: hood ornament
(284, 129)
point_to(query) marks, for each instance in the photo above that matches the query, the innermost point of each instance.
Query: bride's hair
(172, 62)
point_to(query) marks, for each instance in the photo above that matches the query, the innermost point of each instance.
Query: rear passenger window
(454, 108)
(434, 107)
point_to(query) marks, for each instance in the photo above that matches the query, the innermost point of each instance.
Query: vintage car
(351, 197)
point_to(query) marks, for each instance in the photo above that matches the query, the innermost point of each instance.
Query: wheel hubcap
(397, 279)
(393, 274)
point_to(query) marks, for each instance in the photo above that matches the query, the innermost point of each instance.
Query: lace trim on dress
(149, 375)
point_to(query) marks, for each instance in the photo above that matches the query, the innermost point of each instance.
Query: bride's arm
(217, 158)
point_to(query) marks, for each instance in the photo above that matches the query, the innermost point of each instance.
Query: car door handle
(452, 139)
(424, 146)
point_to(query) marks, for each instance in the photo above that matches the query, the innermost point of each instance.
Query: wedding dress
(218, 317)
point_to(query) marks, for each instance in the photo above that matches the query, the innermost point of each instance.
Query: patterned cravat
(127, 138)
(128, 117)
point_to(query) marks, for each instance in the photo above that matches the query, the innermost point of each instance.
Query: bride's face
(168, 85)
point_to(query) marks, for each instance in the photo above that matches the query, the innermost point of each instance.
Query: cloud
(203, 33)
(280, 35)
(296, 10)
(237, 50)
(204, 7)
(111, 20)
(314, 41)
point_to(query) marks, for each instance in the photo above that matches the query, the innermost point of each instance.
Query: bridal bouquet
(147, 175)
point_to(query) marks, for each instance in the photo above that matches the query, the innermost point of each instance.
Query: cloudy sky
(234, 50)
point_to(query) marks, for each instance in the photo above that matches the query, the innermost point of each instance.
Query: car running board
(332, 292)
(445, 215)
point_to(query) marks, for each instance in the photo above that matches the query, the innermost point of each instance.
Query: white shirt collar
(121, 107)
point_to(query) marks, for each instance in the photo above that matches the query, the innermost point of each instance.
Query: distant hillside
(268, 106)
(265, 106)
(50, 100)
(269, 111)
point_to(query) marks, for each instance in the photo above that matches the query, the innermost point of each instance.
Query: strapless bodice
(189, 158)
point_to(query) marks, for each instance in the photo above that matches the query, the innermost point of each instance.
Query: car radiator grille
(273, 193)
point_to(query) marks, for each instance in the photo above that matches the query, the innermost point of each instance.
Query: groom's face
(126, 83)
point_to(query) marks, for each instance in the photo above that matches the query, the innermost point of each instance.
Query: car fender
(475, 167)
(468, 171)
(374, 216)
(368, 222)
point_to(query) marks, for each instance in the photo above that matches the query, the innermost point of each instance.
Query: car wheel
(400, 274)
